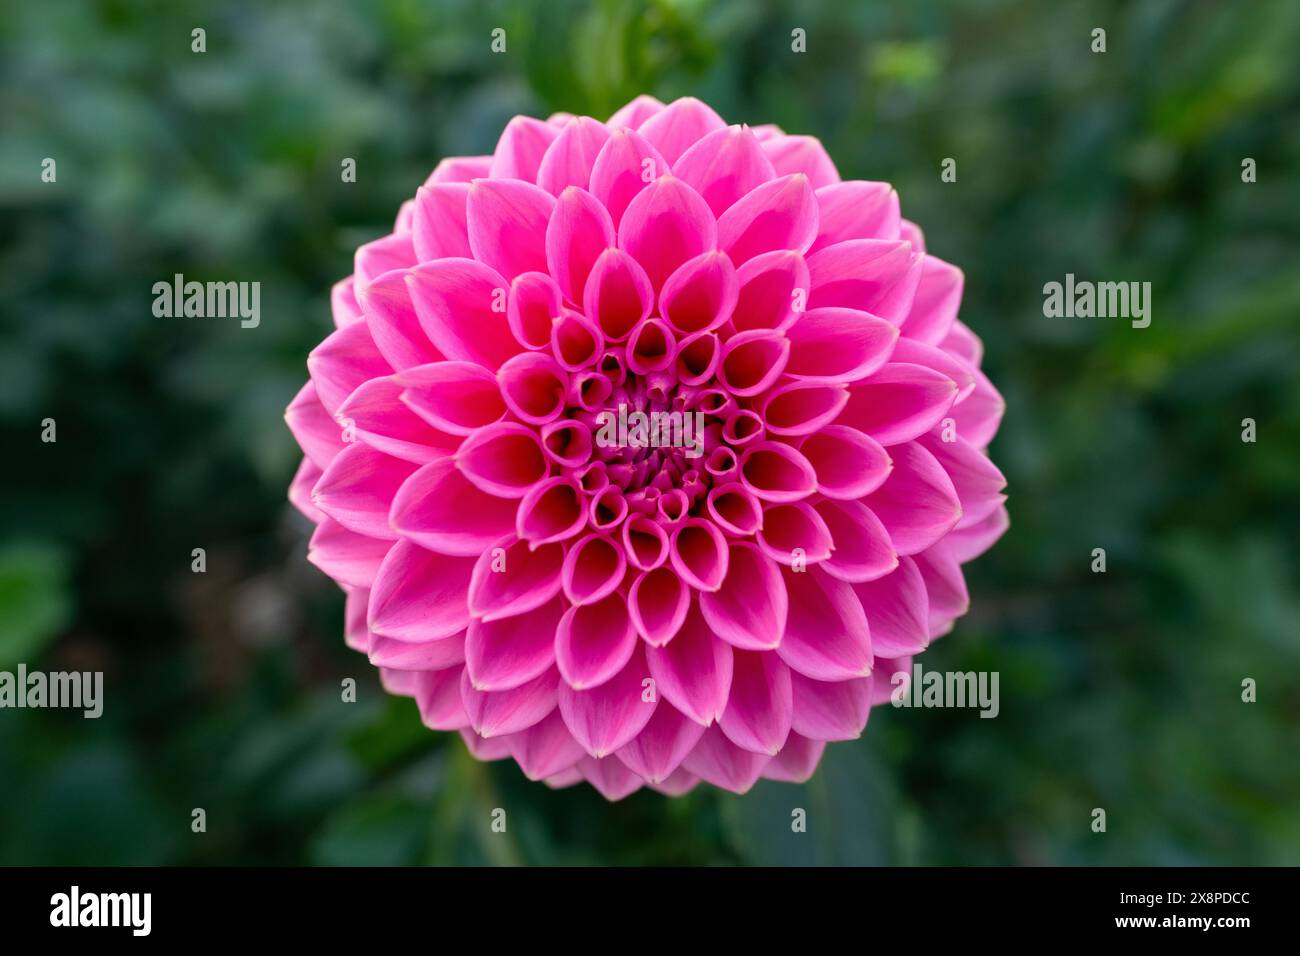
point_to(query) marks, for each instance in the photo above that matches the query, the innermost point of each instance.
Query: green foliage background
(1119, 690)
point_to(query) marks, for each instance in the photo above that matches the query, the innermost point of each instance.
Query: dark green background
(1119, 690)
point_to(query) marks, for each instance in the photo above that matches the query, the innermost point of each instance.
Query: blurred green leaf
(847, 810)
(35, 602)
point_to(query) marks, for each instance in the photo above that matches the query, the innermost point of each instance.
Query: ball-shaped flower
(647, 451)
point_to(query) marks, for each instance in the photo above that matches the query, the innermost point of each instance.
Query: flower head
(647, 451)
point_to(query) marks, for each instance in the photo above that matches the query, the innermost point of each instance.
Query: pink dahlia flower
(713, 599)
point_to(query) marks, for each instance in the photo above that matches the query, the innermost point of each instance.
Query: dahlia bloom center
(647, 451)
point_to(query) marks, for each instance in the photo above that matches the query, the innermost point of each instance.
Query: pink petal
(397, 683)
(830, 710)
(856, 210)
(896, 606)
(405, 217)
(794, 527)
(836, 344)
(723, 166)
(776, 472)
(592, 569)
(963, 343)
(590, 389)
(875, 275)
(358, 487)
(888, 676)
(504, 459)
(757, 716)
(520, 149)
(343, 361)
(439, 229)
(347, 557)
(569, 158)
(534, 387)
(594, 642)
(604, 718)
(507, 653)
(801, 408)
(496, 713)
(608, 508)
(304, 480)
(635, 113)
(384, 422)
(700, 295)
(483, 748)
(535, 300)
(697, 358)
(645, 542)
(679, 125)
(676, 784)
(552, 511)
(546, 748)
(718, 761)
(848, 463)
(750, 609)
(618, 295)
(735, 509)
(915, 352)
(455, 300)
(391, 654)
(979, 414)
(699, 553)
(610, 777)
(567, 443)
(317, 433)
(770, 285)
(977, 481)
(440, 509)
(419, 595)
(752, 361)
(945, 587)
(343, 303)
(650, 348)
(511, 578)
(801, 154)
(383, 255)
(969, 543)
(454, 397)
(797, 760)
(743, 427)
(863, 551)
(627, 163)
(899, 403)
(781, 214)
(666, 224)
(579, 230)
(437, 693)
(934, 308)
(460, 169)
(355, 633)
(826, 636)
(658, 602)
(393, 323)
(507, 222)
(576, 341)
(658, 750)
(917, 502)
(693, 670)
